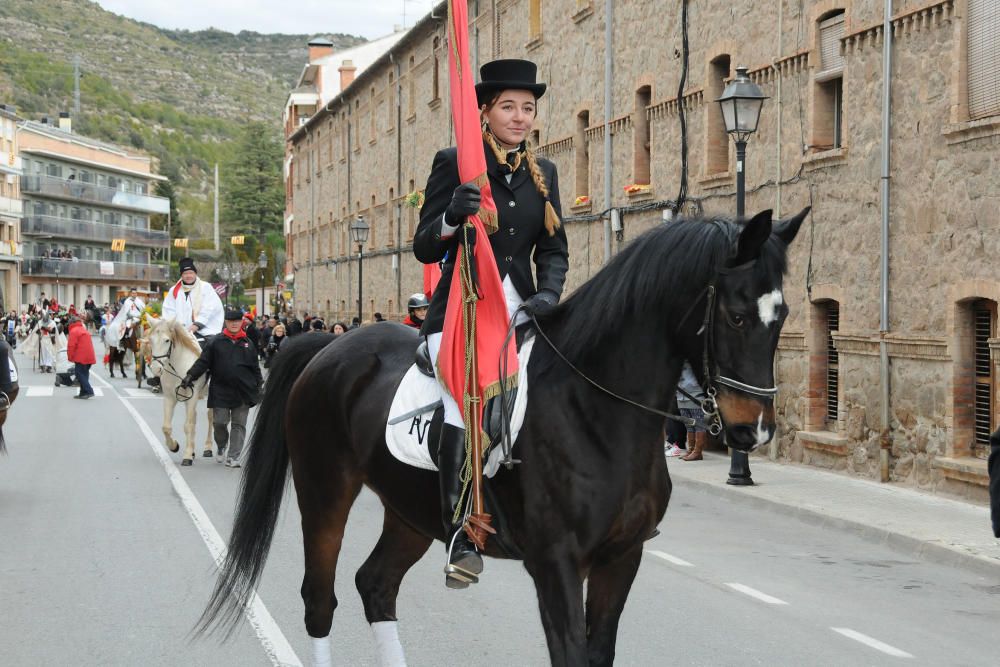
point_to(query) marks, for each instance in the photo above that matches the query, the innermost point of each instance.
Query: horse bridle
(173, 371)
(709, 405)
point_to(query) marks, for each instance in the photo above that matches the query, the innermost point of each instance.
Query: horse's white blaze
(387, 646)
(767, 306)
(763, 434)
(321, 652)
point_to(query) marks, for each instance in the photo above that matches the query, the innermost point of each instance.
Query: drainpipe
(312, 229)
(885, 439)
(350, 202)
(399, 177)
(608, 43)
(772, 451)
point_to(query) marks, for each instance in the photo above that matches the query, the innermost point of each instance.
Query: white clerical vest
(200, 304)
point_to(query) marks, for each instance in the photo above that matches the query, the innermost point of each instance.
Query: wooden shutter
(832, 365)
(831, 31)
(984, 58)
(983, 316)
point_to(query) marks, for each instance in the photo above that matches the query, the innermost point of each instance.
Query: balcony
(85, 230)
(10, 206)
(93, 270)
(61, 188)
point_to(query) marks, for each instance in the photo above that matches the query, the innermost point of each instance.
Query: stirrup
(4, 401)
(460, 575)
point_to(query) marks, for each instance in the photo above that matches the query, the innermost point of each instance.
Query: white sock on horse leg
(387, 646)
(321, 652)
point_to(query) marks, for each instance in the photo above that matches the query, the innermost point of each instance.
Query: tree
(159, 221)
(253, 194)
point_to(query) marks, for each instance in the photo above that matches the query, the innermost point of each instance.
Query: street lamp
(262, 265)
(237, 276)
(224, 274)
(359, 234)
(58, 270)
(741, 103)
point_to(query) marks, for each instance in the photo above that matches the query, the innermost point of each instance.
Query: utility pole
(216, 223)
(76, 85)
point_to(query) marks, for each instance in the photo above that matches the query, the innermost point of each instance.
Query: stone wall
(943, 208)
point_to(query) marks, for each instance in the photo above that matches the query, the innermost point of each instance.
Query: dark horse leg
(378, 580)
(607, 589)
(560, 600)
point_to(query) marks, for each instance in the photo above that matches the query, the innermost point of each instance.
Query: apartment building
(10, 209)
(86, 216)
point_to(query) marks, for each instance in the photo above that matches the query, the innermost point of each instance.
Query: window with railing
(832, 365)
(984, 328)
(828, 91)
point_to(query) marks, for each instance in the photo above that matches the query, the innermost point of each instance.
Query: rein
(709, 405)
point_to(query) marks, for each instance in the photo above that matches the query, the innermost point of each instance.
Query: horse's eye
(737, 320)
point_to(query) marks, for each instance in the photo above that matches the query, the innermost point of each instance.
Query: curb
(942, 554)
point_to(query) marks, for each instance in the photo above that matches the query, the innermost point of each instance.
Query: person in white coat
(194, 302)
(130, 313)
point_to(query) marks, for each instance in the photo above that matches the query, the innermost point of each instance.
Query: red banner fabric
(490, 323)
(432, 276)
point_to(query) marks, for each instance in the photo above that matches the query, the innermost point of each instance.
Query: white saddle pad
(413, 408)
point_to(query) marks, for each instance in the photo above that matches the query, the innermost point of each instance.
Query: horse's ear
(752, 238)
(787, 229)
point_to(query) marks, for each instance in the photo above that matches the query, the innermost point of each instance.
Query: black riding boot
(464, 563)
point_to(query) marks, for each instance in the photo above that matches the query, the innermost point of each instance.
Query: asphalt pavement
(108, 546)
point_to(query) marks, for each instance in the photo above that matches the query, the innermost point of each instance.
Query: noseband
(173, 371)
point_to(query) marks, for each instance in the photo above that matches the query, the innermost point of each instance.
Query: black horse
(593, 482)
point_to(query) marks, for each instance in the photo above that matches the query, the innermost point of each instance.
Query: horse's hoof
(187, 462)
(173, 446)
(207, 454)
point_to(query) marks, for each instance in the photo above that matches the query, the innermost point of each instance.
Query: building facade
(86, 217)
(819, 143)
(10, 210)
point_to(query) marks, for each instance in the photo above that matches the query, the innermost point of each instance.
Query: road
(106, 559)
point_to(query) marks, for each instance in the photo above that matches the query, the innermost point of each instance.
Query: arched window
(641, 144)
(411, 216)
(436, 83)
(716, 139)
(582, 150)
(824, 367)
(390, 239)
(391, 105)
(373, 225)
(411, 94)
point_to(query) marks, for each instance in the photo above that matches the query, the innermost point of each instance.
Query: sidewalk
(939, 529)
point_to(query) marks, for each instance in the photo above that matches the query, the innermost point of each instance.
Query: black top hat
(233, 314)
(185, 264)
(500, 75)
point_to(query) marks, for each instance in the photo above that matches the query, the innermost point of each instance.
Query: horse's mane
(662, 272)
(179, 334)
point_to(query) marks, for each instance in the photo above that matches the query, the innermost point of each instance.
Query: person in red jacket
(80, 351)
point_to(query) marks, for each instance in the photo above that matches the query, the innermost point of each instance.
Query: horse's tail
(264, 477)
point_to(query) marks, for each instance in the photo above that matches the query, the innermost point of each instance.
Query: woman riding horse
(526, 191)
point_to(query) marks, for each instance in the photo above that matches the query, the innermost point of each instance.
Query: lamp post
(58, 270)
(237, 276)
(262, 265)
(741, 103)
(224, 274)
(359, 234)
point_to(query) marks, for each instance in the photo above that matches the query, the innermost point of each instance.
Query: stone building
(819, 143)
(10, 210)
(79, 197)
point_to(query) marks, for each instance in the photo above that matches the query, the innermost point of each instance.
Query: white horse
(171, 350)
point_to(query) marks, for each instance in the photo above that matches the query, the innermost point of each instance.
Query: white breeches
(452, 411)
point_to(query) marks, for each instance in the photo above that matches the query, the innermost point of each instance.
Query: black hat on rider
(233, 314)
(186, 264)
(510, 74)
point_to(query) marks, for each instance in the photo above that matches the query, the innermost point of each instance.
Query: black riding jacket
(521, 212)
(236, 376)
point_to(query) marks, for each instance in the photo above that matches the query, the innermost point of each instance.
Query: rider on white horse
(128, 315)
(194, 302)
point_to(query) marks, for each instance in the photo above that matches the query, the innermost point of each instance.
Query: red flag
(432, 276)
(490, 313)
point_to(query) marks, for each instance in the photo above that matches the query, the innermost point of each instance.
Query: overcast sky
(368, 18)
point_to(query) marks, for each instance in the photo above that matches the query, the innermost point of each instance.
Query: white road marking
(754, 593)
(670, 559)
(767, 306)
(37, 391)
(872, 642)
(140, 393)
(276, 646)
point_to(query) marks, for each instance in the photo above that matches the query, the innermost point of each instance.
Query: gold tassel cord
(469, 403)
(552, 221)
